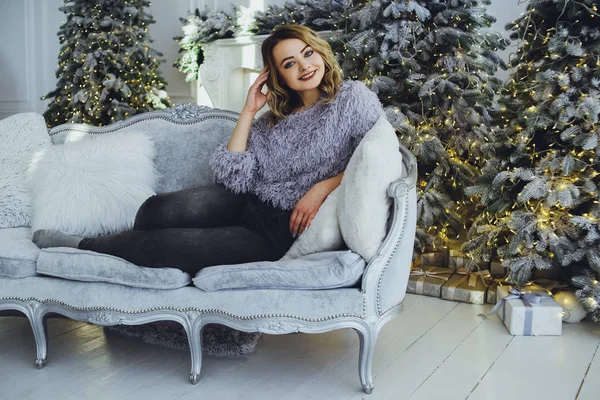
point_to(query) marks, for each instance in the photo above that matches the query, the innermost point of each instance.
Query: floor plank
(93, 370)
(150, 364)
(292, 377)
(400, 334)
(462, 369)
(8, 324)
(21, 361)
(590, 385)
(248, 376)
(434, 349)
(408, 372)
(22, 334)
(548, 367)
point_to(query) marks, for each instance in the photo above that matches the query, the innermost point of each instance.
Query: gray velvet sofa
(185, 136)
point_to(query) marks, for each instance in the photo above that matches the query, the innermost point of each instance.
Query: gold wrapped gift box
(497, 270)
(427, 280)
(435, 258)
(457, 259)
(468, 287)
(457, 262)
(493, 289)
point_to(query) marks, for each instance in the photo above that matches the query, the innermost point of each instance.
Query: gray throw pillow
(324, 270)
(89, 266)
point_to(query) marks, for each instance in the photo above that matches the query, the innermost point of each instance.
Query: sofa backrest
(185, 136)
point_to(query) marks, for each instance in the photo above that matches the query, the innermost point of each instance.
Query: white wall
(29, 45)
(167, 26)
(28, 53)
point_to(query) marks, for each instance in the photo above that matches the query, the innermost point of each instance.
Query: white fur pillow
(93, 186)
(21, 136)
(324, 232)
(364, 205)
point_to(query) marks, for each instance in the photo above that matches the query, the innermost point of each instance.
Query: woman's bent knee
(146, 212)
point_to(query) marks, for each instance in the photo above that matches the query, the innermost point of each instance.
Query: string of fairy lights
(544, 134)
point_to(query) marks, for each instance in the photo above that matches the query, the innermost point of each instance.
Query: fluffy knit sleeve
(362, 109)
(237, 170)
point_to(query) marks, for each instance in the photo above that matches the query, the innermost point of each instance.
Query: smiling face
(298, 65)
(293, 53)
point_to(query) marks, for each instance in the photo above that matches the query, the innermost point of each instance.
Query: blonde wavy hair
(283, 100)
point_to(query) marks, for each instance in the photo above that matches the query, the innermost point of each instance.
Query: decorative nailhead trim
(364, 305)
(390, 259)
(168, 119)
(200, 310)
(394, 306)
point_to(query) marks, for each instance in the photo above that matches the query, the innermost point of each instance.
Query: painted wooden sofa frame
(378, 299)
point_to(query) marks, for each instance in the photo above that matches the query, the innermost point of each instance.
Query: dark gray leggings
(200, 227)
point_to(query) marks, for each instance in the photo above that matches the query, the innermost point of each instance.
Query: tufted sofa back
(185, 136)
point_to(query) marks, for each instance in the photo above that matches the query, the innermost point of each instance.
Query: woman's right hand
(256, 99)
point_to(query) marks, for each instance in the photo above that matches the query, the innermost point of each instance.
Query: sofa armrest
(386, 276)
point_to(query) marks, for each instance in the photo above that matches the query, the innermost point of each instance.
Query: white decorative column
(230, 67)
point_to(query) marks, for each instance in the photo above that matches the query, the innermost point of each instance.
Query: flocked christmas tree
(207, 25)
(199, 28)
(541, 186)
(431, 62)
(107, 69)
(319, 15)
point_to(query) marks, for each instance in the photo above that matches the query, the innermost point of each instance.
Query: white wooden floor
(435, 350)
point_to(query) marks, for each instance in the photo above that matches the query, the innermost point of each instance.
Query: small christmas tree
(107, 70)
(432, 62)
(541, 185)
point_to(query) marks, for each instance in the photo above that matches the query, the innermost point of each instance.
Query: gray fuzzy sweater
(281, 163)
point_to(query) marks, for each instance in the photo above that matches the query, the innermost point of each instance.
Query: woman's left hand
(307, 208)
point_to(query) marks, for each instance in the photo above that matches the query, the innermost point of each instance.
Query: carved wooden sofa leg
(368, 338)
(39, 325)
(193, 330)
(34, 313)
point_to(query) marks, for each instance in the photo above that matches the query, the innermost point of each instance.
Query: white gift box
(529, 314)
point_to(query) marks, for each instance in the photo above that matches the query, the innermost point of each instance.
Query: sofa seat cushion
(247, 304)
(18, 254)
(88, 266)
(324, 270)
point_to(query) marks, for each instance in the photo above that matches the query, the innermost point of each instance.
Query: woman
(274, 173)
